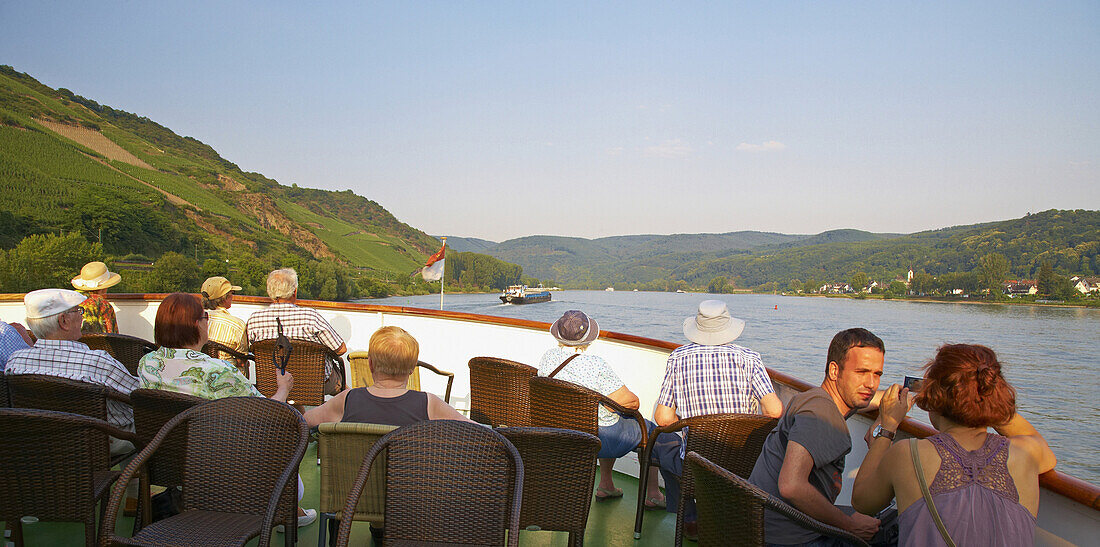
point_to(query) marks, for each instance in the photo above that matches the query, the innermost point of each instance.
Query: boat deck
(610, 523)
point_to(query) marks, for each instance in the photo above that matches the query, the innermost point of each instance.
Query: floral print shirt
(194, 373)
(99, 316)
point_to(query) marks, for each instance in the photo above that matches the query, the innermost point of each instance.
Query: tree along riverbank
(1094, 303)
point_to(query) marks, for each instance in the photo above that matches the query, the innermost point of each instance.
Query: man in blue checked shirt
(13, 337)
(711, 375)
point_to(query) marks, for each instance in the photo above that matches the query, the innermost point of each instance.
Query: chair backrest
(126, 349)
(242, 457)
(728, 504)
(362, 377)
(306, 364)
(499, 391)
(44, 392)
(218, 350)
(447, 481)
(152, 409)
(733, 441)
(341, 447)
(48, 467)
(5, 400)
(559, 466)
(565, 405)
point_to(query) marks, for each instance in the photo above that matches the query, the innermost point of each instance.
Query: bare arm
(1021, 432)
(439, 410)
(625, 397)
(331, 411)
(795, 487)
(285, 382)
(873, 488)
(665, 415)
(771, 405)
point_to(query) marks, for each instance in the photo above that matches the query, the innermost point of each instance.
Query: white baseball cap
(47, 302)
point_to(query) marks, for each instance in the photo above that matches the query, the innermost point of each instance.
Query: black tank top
(363, 407)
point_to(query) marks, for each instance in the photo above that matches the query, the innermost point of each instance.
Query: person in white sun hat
(93, 282)
(711, 375)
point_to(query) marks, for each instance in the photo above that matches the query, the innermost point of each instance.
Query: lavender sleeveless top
(408, 408)
(975, 496)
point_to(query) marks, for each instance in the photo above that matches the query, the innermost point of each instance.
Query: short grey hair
(44, 327)
(282, 283)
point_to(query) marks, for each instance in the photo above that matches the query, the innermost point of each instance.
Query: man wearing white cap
(711, 375)
(55, 316)
(225, 329)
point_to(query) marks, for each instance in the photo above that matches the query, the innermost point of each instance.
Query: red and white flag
(433, 270)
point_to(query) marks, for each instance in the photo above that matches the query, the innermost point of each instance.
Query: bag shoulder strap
(927, 495)
(563, 363)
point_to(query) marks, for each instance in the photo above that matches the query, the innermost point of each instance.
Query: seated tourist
(180, 365)
(93, 282)
(13, 337)
(298, 322)
(983, 486)
(392, 357)
(224, 328)
(54, 316)
(618, 433)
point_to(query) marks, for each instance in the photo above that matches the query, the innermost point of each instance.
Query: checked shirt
(713, 379)
(75, 361)
(298, 322)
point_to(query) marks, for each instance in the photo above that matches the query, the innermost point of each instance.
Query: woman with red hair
(981, 488)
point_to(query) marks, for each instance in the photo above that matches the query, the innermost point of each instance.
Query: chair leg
(90, 537)
(323, 528)
(16, 531)
(643, 487)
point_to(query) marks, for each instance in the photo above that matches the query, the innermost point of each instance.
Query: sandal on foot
(606, 494)
(655, 503)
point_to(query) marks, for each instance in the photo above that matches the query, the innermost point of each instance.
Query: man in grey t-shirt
(802, 460)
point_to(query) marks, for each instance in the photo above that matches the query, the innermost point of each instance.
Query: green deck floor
(610, 523)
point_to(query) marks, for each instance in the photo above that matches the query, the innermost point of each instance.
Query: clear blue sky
(504, 119)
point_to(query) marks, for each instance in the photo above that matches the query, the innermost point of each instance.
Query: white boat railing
(1070, 507)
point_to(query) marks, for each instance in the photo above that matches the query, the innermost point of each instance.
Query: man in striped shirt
(298, 322)
(55, 316)
(225, 329)
(711, 375)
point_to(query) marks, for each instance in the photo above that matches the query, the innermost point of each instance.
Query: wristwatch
(882, 432)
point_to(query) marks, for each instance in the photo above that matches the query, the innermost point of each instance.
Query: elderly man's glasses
(76, 310)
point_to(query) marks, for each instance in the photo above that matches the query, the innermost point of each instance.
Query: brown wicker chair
(50, 470)
(559, 466)
(239, 468)
(731, 510)
(45, 392)
(732, 440)
(447, 481)
(341, 447)
(306, 364)
(5, 400)
(557, 403)
(361, 375)
(126, 349)
(499, 392)
(152, 409)
(218, 350)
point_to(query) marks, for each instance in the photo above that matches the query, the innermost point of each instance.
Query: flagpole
(443, 275)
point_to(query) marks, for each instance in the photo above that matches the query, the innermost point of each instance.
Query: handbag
(928, 496)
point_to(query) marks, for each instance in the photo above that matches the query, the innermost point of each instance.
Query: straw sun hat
(95, 276)
(712, 324)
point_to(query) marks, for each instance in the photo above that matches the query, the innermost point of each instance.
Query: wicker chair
(44, 392)
(5, 399)
(559, 466)
(126, 349)
(499, 392)
(50, 470)
(732, 440)
(361, 375)
(218, 350)
(239, 470)
(447, 481)
(557, 403)
(152, 409)
(731, 510)
(341, 447)
(306, 364)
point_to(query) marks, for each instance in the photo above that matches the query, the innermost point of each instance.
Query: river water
(1050, 354)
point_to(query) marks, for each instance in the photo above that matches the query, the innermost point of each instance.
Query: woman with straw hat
(93, 282)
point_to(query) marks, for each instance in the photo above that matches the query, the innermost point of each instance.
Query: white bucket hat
(95, 276)
(712, 324)
(47, 302)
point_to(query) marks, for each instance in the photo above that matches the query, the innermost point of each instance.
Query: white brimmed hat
(574, 328)
(217, 287)
(712, 324)
(47, 302)
(95, 276)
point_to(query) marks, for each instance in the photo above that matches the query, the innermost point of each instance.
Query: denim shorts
(621, 437)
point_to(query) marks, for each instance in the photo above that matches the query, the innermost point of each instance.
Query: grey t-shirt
(812, 420)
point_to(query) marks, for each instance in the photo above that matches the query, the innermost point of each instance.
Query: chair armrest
(450, 378)
(633, 413)
(802, 519)
(236, 354)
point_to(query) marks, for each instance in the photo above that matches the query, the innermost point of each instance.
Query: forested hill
(134, 189)
(1068, 240)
